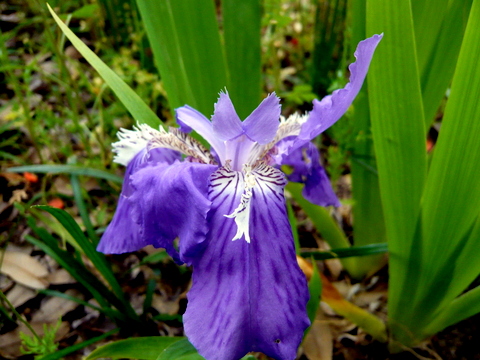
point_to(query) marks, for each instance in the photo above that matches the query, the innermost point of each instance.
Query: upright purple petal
(327, 111)
(262, 124)
(226, 123)
(170, 201)
(308, 170)
(247, 296)
(123, 234)
(188, 118)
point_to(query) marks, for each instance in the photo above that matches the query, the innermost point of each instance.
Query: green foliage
(146, 348)
(137, 107)
(112, 302)
(315, 290)
(40, 346)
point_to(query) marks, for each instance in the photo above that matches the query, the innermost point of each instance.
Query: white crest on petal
(182, 142)
(131, 142)
(242, 213)
(288, 127)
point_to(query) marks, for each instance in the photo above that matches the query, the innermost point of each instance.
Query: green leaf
(315, 290)
(64, 352)
(82, 208)
(67, 169)
(365, 250)
(97, 258)
(427, 17)
(437, 74)
(186, 46)
(146, 348)
(451, 202)
(99, 291)
(86, 12)
(399, 134)
(134, 104)
(243, 53)
(293, 224)
(369, 223)
(323, 221)
(181, 350)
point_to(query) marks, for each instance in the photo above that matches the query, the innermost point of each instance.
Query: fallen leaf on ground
(20, 294)
(24, 269)
(55, 307)
(318, 344)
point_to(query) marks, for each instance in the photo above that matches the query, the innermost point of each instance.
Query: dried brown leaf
(318, 344)
(20, 294)
(24, 269)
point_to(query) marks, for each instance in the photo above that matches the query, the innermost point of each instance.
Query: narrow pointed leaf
(187, 51)
(398, 131)
(146, 348)
(243, 53)
(451, 201)
(134, 104)
(437, 74)
(67, 169)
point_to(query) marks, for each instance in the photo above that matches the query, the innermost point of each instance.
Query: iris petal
(262, 124)
(188, 118)
(327, 111)
(171, 201)
(122, 234)
(308, 170)
(226, 123)
(247, 296)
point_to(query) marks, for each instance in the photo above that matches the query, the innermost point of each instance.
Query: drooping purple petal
(262, 124)
(123, 234)
(170, 201)
(188, 118)
(247, 296)
(308, 170)
(226, 123)
(327, 111)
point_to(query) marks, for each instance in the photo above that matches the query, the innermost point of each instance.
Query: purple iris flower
(227, 207)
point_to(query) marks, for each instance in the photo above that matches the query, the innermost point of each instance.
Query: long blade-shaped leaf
(369, 223)
(398, 131)
(67, 169)
(186, 46)
(135, 348)
(134, 104)
(97, 258)
(437, 74)
(241, 25)
(451, 201)
(427, 17)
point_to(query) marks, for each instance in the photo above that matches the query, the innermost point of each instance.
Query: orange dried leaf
(33, 178)
(57, 203)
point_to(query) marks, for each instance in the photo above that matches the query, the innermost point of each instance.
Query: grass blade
(365, 250)
(134, 104)
(67, 169)
(82, 208)
(97, 258)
